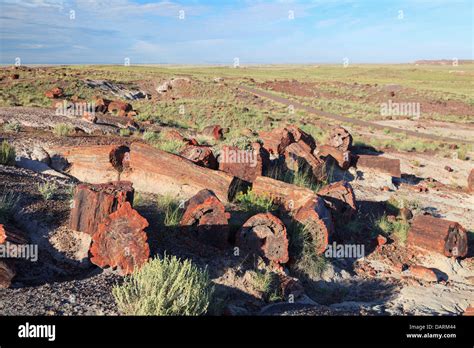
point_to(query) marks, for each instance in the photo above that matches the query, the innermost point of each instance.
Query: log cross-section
(340, 198)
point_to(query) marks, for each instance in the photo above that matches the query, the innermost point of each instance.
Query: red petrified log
(101, 104)
(244, 164)
(7, 272)
(55, 92)
(316, 218)
(200, 155)
(207, 214)
(265, 235)
(423, 273)
(120, 241)
(379, 163)
(341, 139)
(442, 236)
(119, 107)
(342, 158)
(290, 197)
(276, 141)
(339, 197)
(300, 136)
(93, 164)
(299, 158)
(94, 203)
(470, 181)
(214, 131)
(160, 172)
(12, 235)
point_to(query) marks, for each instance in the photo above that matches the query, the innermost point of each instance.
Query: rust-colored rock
(469, 311)
(341, 139)
(381, 240)
(317, 219)
(244, 164)
(215, 131)
(54, 93)
(91, 163)
(7, 273)
(380, 164)
(290, 197)
(200, 155)
(276, 140)
(342, 158)
(101, 104)
(206, 214)
(300, 159)
(11, 234)
(470, 181)
(300, 136)
(340, 198)
(120, 108)
(160, 172)
(422, 273)
(265, 235)
(442, 236)
(120, 241)
(94, 203)
(173, 134)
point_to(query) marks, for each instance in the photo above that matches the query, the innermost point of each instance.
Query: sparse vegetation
(167, 286)
(13, 126)
(124, 132)
(8, 202)
(267, 283)
(171, 210)
(7, 153)
(396, 229)
(47, 190)
(62, 130)
(251, 202)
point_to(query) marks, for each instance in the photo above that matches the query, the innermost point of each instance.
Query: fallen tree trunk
(275, 141)
(300, 136)
(246, 165)
(341, 139)
(94, 203)
(200, 155)
(379, 163)
(12, 235)
(265, 235)
(299, 159)
(120, 241)
(155, 171)
(207, 216)
(289, 196)
(442, 236)
(340, 198)
(342, 158)
(316, 218)
(93, 164)
(7, 273)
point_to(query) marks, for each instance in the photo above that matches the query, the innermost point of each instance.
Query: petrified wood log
(156, 171)
(101, 104)
(265, 235)
(244, 164)
(442, 236)
(289, 196)
(316, 218)
(378, 163)
(200, 155)
(342, 158)
(206, 214)
(300, 136)
(115, 121)
(120, 241)
(55, 92)
(94, 203)
(341, 139)
(173, 134)
(92, 164)
(11, 234)
(7, 272)
(299, 158)
(214, 131)
(339, 197)
(275, 141)
(470, 181)
(119, 108)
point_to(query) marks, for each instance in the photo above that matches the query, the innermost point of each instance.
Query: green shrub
(62, 130)
(124, 132)
(150, 136)
(172, 146)
(397, 229)
(47, 190)
(8, 202)
(165, 286)
(7, 153)
(254, 203)
(12, 127)
(267, 283)
(171, 210)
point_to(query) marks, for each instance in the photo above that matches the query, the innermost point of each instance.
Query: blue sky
(216, 32)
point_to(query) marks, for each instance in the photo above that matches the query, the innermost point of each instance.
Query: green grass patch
(7, 154)
(253, 203)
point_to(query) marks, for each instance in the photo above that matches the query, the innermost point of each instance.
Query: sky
(226, 32)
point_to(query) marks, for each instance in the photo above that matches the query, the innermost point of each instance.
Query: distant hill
(443, 61)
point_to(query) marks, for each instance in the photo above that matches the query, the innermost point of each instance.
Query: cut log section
(265, 235)
(299, 158)
(93, 164)
(7, 273)
(200, 155)
(442, 236)
(288, 196)
(120, 241)
(381, 164)
(94, 203)
(155, 171)
(12, 235)
(244, 164)
(206, 214)
(340, 198)
(316, 218)
(276, 141)
(119, 108)
(300, 136)
(341, 139)
(342, 158)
